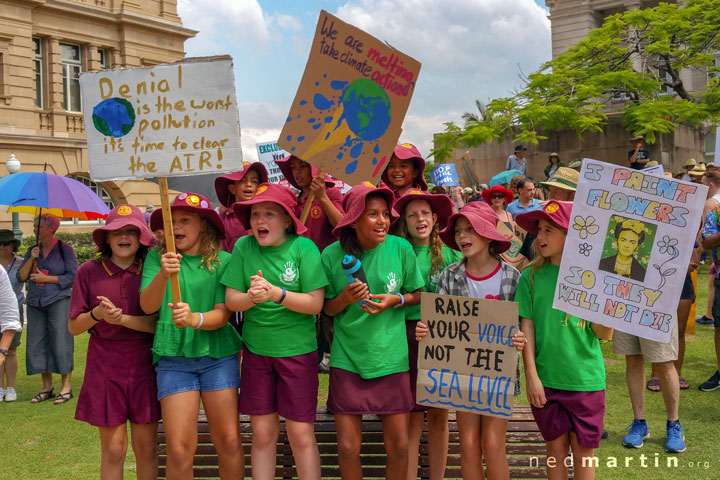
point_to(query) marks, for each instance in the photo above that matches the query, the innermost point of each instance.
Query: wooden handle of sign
(169, 237)
(308, 204)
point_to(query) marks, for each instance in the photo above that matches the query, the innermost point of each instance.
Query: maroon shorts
(413, 346)
(350, 394)
(286, 385)
(568, 411)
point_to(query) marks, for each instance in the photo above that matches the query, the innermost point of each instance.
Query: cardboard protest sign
(467, 361)
(268, 152)
(445, 174)
(162, 121)
(347, 115)
(512, 255)
(628, 248)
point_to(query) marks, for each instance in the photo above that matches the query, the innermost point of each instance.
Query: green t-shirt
(567, 357)
(201, 290)
(424, 261)
(271, 329)
(373, 345)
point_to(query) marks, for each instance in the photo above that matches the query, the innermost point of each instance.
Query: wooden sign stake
(169, 237)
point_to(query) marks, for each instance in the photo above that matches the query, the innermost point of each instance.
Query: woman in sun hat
(276, 277)
(369, 361)
(553, 164)
(119, 384)
(405, 170)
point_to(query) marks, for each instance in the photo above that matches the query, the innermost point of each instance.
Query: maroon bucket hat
(354, 204)
(483, 221)
(123, 216)
(553, 211)
(440, 204)
(190, 202)
(270, 192)
(405, 151)
(221, 183)
(286, 168)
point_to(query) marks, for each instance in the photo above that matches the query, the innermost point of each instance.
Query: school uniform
(318, 223)
(234, 229)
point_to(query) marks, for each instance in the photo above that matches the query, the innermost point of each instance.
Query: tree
(635, 56)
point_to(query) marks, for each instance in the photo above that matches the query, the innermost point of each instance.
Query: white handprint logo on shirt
(289, 273)
(392, 283)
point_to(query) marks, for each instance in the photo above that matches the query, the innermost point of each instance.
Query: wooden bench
(525, 448)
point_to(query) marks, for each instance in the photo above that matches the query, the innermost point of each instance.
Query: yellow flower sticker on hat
(192, 200)
(124, 210)
(552, 207)
(415, 191)
(261, 189)
(406, 145)
(368, 184)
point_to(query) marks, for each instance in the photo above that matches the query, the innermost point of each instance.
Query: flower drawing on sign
(586, 226)
(666, 246)
(584, 249)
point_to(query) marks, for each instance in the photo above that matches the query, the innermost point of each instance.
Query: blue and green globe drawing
(366, 109)
(114, 117)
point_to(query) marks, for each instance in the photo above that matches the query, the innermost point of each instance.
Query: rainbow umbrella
(40, 192)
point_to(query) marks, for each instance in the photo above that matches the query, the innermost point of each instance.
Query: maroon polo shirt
(234, 229)
(318, 223)
(122, 287)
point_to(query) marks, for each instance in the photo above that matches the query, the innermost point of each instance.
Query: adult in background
(638, 156)
(526, 201)
(498, 197)
(517, 161)
(148, 211)
(687, 168)
(11, 263)
(553, 164)
(49, 268)
(712, 180)
(9, 316)
(697, 173)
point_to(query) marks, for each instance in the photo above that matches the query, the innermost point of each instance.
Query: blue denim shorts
(206, 374)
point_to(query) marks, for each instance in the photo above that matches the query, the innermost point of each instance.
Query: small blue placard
(445, 174)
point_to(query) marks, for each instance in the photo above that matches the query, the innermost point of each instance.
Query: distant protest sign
(162, 121)
(347, 115)
(467, 361)
(445, 174)
(628, 247)
(268, 152)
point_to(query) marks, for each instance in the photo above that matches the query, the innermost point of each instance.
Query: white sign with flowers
(628, 248)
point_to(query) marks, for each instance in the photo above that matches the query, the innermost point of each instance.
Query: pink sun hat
(190, 202)
(354, 204)
(553, 211)
(406, 151)
(270, 192)
(221, 183)
(122, 216)
(483, 221)
(440, 204)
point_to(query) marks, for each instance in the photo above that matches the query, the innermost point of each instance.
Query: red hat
(498, 189)
(483, 220)
(190, 202)
(403, 152)
(553, 211)
(286, 169)
(440, 204)
(221, 183)
(122, 216)
(354, 204)
(270, 192)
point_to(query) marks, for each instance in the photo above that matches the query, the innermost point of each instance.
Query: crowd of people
(266, 301)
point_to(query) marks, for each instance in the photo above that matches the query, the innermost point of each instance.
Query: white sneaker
(10, 394)
(2, 394)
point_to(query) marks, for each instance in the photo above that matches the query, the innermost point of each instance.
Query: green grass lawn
(45, 442)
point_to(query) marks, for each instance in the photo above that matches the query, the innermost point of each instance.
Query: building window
(103, 55)
(716, 64)
(100, 191)
(38, 48)
(71, 68)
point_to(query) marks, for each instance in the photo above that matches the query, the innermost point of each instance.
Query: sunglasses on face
(497, 195)
(5, 244)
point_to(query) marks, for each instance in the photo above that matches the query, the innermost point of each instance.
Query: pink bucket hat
(285, 167)
(190, 202)
(221, 183)
(354, 204)
(483, 221)
(123, 216)
(270, 192)
(553, 211)
(440, 204)
(406, 151)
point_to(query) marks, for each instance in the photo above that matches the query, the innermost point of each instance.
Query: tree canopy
(634, 64)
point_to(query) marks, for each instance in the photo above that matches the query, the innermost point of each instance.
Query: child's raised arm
(533, 385)
(151, 297)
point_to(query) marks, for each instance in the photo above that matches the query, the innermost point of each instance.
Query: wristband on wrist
(402, 300)
(92, 315)
(282, 297)
(202, 319)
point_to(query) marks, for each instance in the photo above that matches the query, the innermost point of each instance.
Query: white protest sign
(628, 248)
(162, 121)
(268, 152)
(657, 170)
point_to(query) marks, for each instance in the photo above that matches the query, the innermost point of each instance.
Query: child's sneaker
(675, 438)
(637, 432)
(10, 394)
(713, 383)
(324, 366)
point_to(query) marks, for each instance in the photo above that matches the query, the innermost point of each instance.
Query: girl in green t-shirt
(195, 348)
(369, 361)
(276, 278)
(422, 215)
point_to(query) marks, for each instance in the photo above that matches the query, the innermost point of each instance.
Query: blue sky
(469, 49)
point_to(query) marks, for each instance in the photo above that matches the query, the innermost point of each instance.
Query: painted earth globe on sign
(114, 117)
(366, 109)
